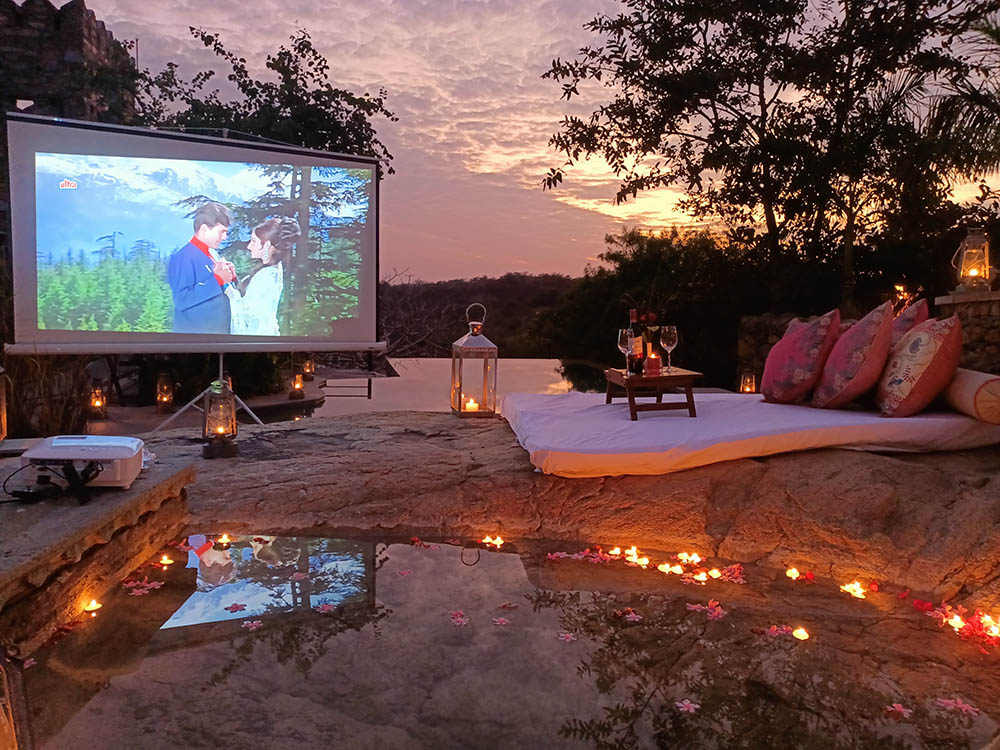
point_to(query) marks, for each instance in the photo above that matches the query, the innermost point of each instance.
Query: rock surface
(928, 522)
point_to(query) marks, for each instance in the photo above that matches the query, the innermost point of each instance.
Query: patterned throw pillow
(976, 394)
(856, 360)
(795, 364)
(920, 367)
(909, 318)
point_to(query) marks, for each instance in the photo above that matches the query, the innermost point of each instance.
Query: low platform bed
(578, 435)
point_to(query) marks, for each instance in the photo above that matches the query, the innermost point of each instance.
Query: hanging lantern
(298, 387)
(472, 395)
(3, 405)
(164, 393)
(218, 426)
(308, 369)
(98, 402)
(972, 259)
(748, 383)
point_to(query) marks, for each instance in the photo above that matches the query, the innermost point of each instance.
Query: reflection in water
(282, 642)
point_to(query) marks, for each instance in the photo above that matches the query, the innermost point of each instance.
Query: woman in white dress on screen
(253, 302)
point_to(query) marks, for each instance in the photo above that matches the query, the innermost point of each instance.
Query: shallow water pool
(292, 642)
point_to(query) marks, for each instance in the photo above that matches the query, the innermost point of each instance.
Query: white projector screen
(134, 240)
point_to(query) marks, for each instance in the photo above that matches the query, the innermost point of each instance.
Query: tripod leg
(183, 409)
(247, 410)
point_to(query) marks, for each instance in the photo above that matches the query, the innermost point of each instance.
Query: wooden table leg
(659, 394)
(633, 414)
(690, 400)
(607, 398)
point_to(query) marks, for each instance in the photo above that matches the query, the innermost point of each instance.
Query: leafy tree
(300, 107)
(793, 122)
(967, 118)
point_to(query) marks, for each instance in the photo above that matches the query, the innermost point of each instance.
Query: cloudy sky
(470, 146)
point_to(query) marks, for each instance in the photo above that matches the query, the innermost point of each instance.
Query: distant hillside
(422, 319)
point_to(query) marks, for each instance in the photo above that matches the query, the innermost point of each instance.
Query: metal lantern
(98, 402)
(472, 395)
(218, 425)
(298, 387)
(164, 393)
(972, 259)
(308, 369)
(3, 405)
(748, 383)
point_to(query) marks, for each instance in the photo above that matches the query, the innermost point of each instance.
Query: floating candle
(792, 573)
(801, 634)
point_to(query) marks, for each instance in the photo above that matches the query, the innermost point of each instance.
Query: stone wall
(47, 57)
(980, 316)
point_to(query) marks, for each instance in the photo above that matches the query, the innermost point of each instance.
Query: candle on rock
(93, 607)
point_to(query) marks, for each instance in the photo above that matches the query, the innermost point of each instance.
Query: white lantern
(972, 259)
(474, 394)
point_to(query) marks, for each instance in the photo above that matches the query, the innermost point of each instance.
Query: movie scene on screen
(130, 244)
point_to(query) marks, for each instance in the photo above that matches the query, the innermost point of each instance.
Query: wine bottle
(637, 357)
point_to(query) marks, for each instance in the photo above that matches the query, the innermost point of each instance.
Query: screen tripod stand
(194, 402)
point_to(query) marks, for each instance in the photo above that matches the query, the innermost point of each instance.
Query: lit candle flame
(93, 607)
(632, 556)
(994, 631)
(676, 569)
(471, 405)
(664, 568)
(694, 558)
(792, 573)
(224, 539)
(493, 542)
(973, 272)
(714, 573)
(166, 561)
(855, 589)
(616, 552)
(702, 576)
(683, 556)
(956, 622)
(220, 430)
(98, 402)
(801, 633)
(986, 620)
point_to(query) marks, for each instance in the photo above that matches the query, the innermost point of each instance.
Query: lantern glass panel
(219, 413)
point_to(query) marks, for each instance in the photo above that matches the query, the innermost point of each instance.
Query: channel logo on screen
(67, 184)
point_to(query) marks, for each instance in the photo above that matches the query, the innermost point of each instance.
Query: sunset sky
(470, 146)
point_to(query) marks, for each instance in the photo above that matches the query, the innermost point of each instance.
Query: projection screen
(133, 240)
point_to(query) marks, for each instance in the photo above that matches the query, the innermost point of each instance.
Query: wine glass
(668, 340)
(626, 339)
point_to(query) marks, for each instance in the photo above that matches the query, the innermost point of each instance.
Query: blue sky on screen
(81, 198)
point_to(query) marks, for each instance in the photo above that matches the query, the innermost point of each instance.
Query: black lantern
(472, 394)
(164, 393)
(298, 388)
(98, 402)
(218, 426)
(308, 369)
(972, 259)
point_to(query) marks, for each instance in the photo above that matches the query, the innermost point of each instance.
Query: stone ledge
(40, 540)
(958, 298)
(930, 522)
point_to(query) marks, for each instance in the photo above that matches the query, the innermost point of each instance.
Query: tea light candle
(471, 405)
(165, 561)
(93, 607)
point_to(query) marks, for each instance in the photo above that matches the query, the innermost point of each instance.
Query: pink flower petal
(235, 607)
(501, 621)
(252, 625)
(299, 576)
(404, 572)
(566, 637)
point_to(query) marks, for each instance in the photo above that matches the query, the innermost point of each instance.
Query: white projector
(120, 458)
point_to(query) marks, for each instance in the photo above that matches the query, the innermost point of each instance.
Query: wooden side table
(630, 386)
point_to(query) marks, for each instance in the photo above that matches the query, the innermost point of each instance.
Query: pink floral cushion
(856, 360)
(912, 316)
(795, 364)
(920, 367)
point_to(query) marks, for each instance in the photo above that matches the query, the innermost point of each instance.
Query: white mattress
(578, 435)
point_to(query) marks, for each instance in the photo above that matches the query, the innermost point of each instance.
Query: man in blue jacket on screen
(198, 275)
